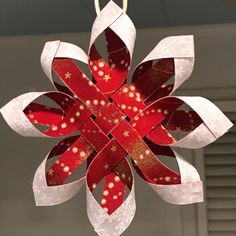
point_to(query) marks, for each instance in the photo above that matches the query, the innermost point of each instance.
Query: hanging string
(97, 6)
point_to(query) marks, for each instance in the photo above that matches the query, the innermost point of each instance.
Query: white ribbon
(52, 195)
(13, 113)
(181, 48)
(114, 17)
(58, 49)
(189, 191)
(97, 6)
(116, 223)
(214, 125)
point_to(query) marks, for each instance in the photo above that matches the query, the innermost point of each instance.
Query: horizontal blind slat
(225, 170)
(222, 225)
(221, 203)
(222, 233)
(221, 181)
(229, 137)
(222, 214)
(220, 173)
(221, 148)
(222, 159)
(224, 192)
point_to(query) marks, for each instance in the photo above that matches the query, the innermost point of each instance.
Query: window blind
(220, 173)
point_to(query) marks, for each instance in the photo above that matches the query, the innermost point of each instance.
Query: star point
(50, 172)
(107, 78)
(126, 133)
(68, 75)
(113, 148)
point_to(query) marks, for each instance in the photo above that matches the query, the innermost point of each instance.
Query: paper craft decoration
(117, 121)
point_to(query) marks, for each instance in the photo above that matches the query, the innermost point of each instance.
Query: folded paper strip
(117, 122)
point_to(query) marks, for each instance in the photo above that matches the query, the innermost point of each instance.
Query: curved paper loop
(104, 19)
(188, 172)
(180, 194)
(214, 125)
(97, 6)
(13, 113)
(49, 187)
(47, 56)
(190, 189)
(52, 195)
(116, 223)
(113, 16)
(181, 46)
(120, 43)
(178, 48)
(58, 49)
(127, 33)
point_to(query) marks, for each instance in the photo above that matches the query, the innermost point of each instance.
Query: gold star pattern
(50, 172)
(106, 166)
(67, 75)
(126, 133)
(107, 78)
(113, 148)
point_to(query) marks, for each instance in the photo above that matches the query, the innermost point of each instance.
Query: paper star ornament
(117, 121)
